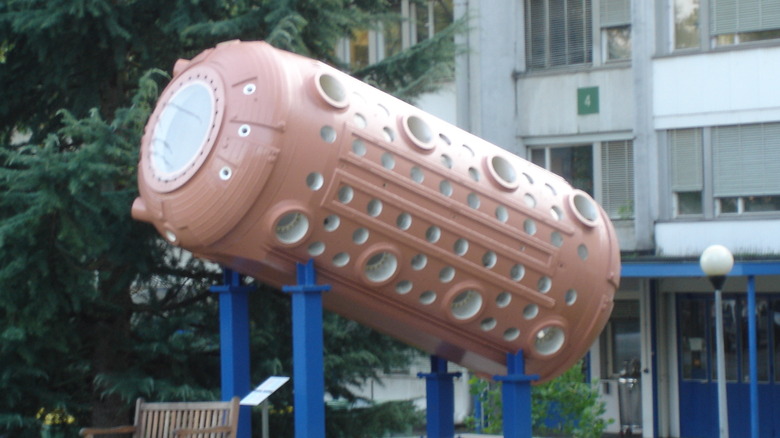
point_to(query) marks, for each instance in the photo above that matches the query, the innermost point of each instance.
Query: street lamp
(716, 261)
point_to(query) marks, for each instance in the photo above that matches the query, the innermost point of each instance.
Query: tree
(95, 309)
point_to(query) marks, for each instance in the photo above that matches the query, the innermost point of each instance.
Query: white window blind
(615, 13)
(617, 178)
(685, 147)
(559, 32)
(746, 160)
(735, 16)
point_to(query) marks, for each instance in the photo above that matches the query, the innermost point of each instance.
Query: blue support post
(753, 355)
(234, 344)
(516, 397)
(308, 367)
(440, 399)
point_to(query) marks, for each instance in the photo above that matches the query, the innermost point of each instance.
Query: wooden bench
(181, 419)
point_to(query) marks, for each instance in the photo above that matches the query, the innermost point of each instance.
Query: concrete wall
(724, 88)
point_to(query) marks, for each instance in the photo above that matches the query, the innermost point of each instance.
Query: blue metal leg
(308, 367)
(234, 344)
(440, 399)
(516, 397)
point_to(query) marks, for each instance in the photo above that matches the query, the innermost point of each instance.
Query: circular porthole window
(291, 227)
(381, 267)
(182, 129)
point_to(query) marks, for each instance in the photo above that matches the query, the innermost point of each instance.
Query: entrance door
(621, 349)
(697, 365)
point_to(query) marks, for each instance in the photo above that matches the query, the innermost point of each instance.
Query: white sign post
(260, 395)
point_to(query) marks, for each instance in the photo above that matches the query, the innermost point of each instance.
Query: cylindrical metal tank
(257, 158)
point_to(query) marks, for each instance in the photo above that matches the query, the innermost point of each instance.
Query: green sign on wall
(588, 100)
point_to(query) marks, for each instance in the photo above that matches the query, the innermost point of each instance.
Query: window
(730, 22)
(742, 21)
(616, 29)
(574, 163)
(686, 24)
(617, 178)
(745, 169)
(615, 173)
(687, 177)
(418, 20)
(746, 161)
(559, 33)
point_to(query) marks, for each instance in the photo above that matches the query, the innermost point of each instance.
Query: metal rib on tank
(426, 232)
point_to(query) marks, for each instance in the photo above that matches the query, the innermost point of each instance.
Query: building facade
(668, 113)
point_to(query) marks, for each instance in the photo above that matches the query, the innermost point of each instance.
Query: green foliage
(95, 309)
(565, 406)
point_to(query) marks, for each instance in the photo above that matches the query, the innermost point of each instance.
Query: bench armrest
(92, 432)
(195, 431)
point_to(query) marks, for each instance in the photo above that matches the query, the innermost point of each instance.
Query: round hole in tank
(488, 324)
(502, 214)
(331, 223)
(549, 340)
(428, 297)
(419, 262)
(517, 272)
(433, 234)
(556, 213)
(404, 221)
(446, 274)
(529, 226)
(328, 133)
(461, 246)
(556, 239)
(473, 200)
(346, 193)
(358, 147)
(528, 178)
(403, 287)
(419, 131)
(225, 173)
(489, 259)
(571, 297)
(582, 251)
(467, 150)
(417, 175)
(341, 259)
(360, 236)
(249, 89)
(291, 227)
(551, 189)
(381, 266)
(474, 174)
(445, 187)
(503, 172)
(530, 311)
(585, 208)
(529, 200)
(511, 334)
(446, 161)
(332, 90)
(388, 133)
(316, 249)
(374, 208)
(359, 121)
(445, 139)
(315, 181)
(383, 111)
(503, 299)
(544, 284)
(388, 161)
(466, 304)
